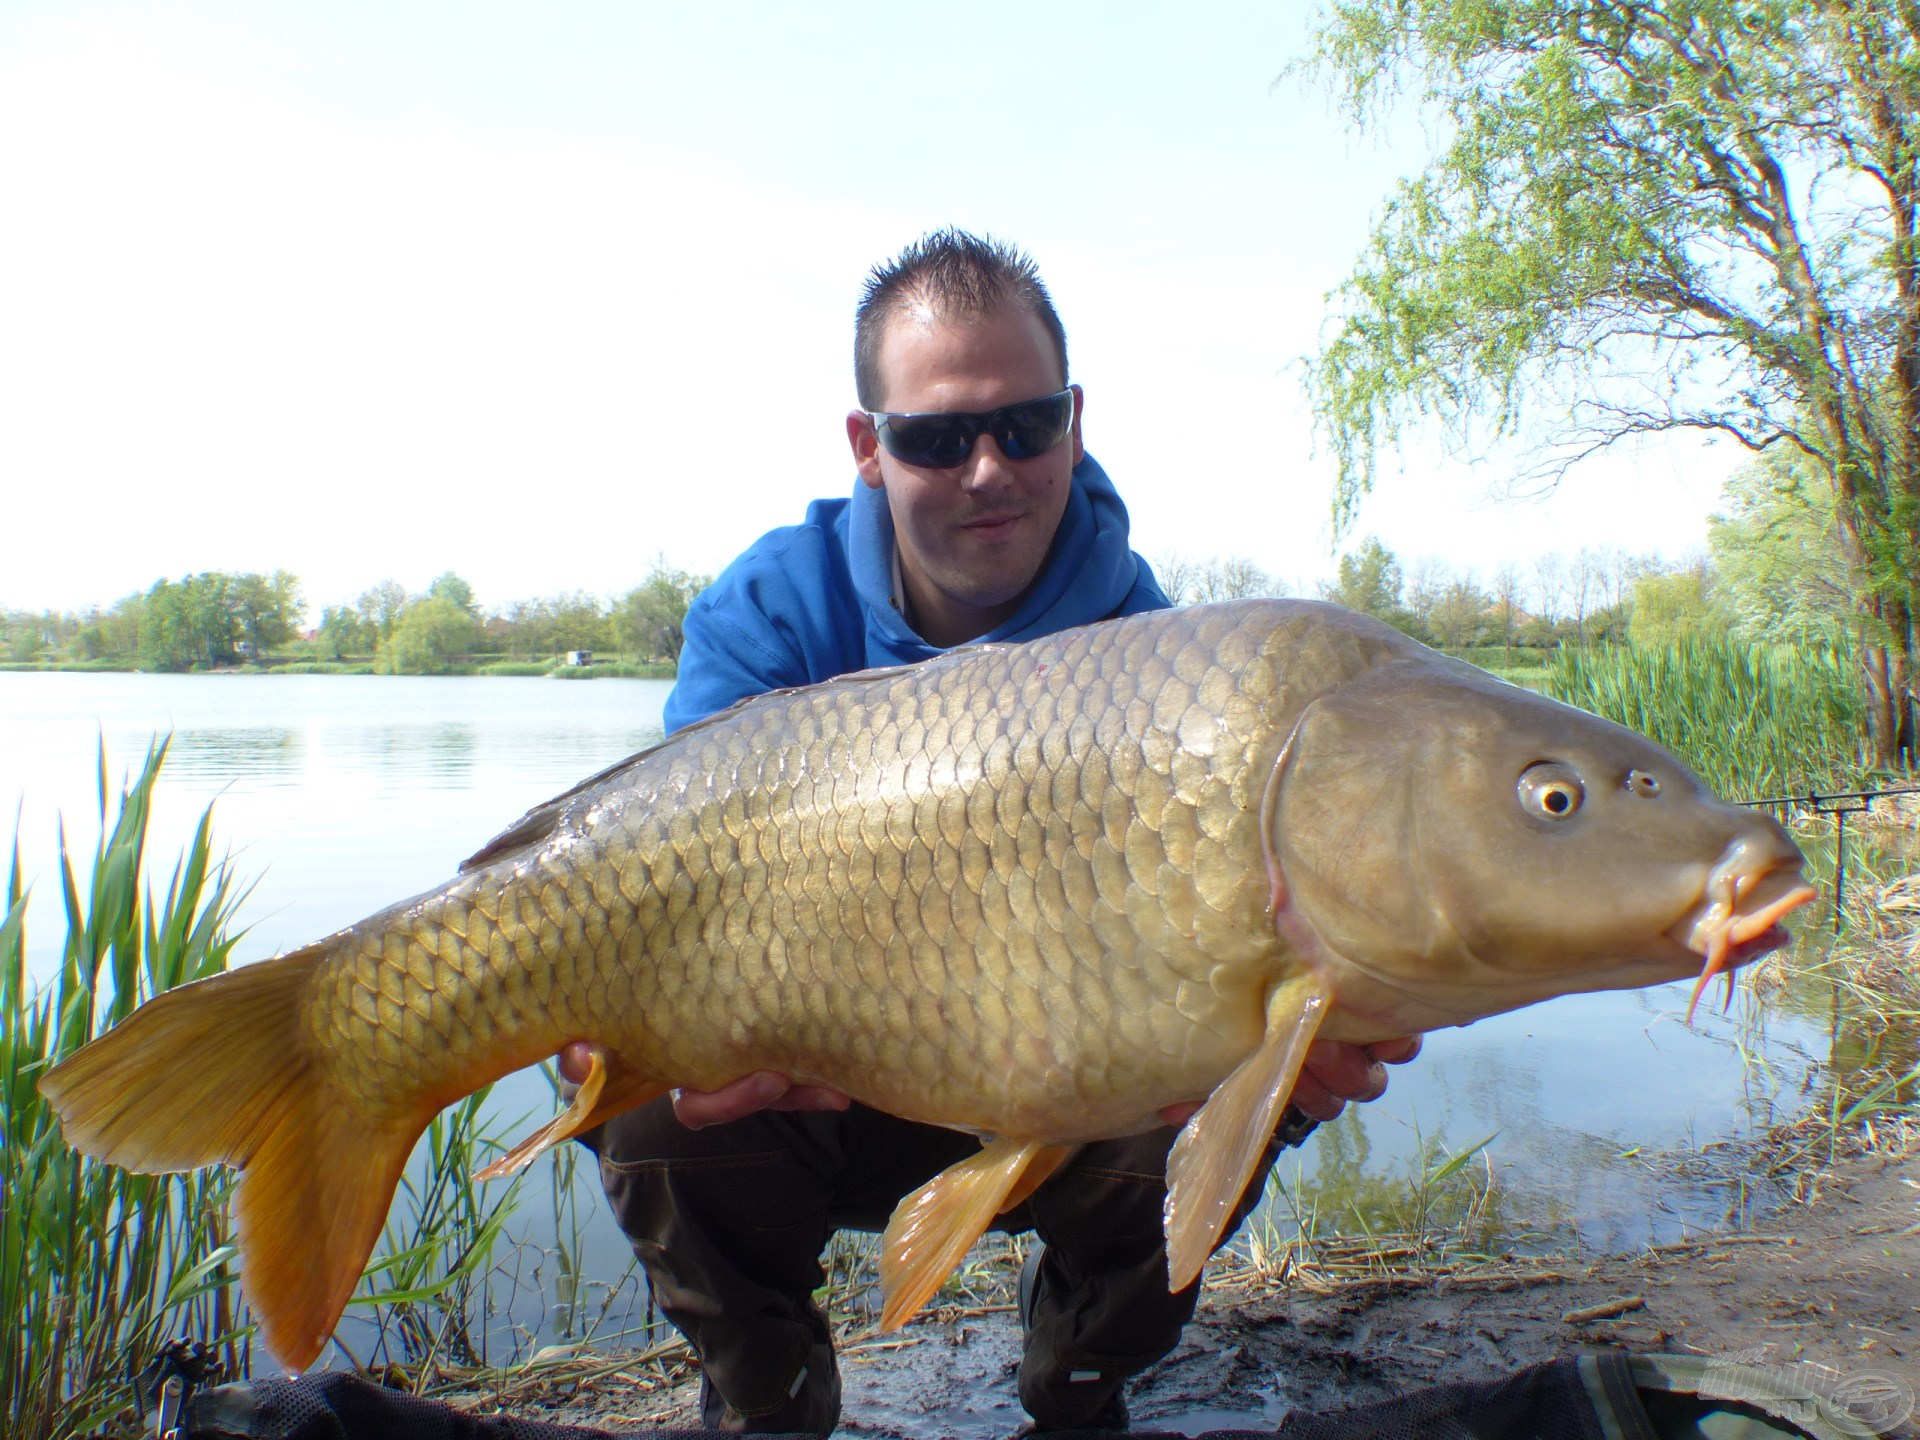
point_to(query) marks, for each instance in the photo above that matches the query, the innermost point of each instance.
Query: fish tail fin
(220, 1072)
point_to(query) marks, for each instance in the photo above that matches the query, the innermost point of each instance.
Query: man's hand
(1335, 1073)
(697, 1109)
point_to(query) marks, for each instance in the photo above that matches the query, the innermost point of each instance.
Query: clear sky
(540, 292)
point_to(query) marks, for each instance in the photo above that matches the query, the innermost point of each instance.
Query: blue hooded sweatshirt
(811, 601)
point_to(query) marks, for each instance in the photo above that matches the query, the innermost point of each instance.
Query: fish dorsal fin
(1221, 1146)
(932, 1228)
(605, 1092)
(541, 821)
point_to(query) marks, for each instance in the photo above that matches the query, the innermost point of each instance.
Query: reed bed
(97, 1265)
(1753, 720)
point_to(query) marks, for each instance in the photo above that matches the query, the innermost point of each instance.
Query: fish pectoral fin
(602, 1095)
(932, 1228)
(1220, 1147)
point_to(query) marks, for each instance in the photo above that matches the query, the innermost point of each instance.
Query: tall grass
(97, 1265)
(1753, 720)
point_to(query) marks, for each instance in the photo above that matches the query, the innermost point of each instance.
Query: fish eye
(1550, 791)
(1643, 784)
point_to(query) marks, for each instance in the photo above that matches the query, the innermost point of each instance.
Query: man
(978, 516)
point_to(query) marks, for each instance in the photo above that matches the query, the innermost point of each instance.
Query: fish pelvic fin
(605, 1093)
(932, 1228)
(1219, 1149)
(220, 1072)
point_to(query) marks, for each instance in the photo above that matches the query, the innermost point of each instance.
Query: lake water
(337, 795)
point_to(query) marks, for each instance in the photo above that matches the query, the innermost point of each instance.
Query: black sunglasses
(941, 439)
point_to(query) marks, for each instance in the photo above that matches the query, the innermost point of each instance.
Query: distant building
(579, 657)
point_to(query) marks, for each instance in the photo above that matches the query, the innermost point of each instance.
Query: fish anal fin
(932, 1228)
(1221, 1146)
(605, 1092)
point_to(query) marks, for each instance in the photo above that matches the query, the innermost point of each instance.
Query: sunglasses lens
(934, 440)
(942, 441)
(1035, 426)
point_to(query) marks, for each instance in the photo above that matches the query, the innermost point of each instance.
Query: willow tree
(1652, 217)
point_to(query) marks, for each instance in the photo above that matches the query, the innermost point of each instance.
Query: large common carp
(1036, 892)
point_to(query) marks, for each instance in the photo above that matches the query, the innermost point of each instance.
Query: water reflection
(440, 753)
(262, 756)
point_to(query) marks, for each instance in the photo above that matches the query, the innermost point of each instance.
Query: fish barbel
(1036, 892)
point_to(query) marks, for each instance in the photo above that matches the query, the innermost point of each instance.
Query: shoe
(1085, 1407)
(812, 1408)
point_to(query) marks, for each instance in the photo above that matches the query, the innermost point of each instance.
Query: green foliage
(430, 638)
(1753, 720)
(1649, 218)
(379, 608)
(266, 611)
(97, 1265)
(345, 631)
(1673, 609)
(451, 588)
(1779, 555)
(1370, 581)
(550, 627)
(651, 617)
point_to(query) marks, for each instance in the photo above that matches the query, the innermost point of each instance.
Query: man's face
(972, 538)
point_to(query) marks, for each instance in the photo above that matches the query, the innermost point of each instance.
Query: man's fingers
(762, 1090)
(811, 1097)
(1314, 1100)
(574, 1062)
(1347, 1071)
(697, 1109)
(1395, 1052)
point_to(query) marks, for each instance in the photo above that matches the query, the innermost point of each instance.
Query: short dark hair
(955, 274)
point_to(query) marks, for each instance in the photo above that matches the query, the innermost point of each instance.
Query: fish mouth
(1737, 919)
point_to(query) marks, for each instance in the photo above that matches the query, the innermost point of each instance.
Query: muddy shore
(1828, 1281)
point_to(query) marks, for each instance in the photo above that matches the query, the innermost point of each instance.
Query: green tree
(1369, 580)
(1779, 554)
(189, 623)
(1673, 607)
(344, 631)
(428, 638)
(1653, 215)
(650, 618)
(266, 610)
(451, 587)
(380, 607)
(1462, 615)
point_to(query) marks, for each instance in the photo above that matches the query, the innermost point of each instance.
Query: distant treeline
(1774, 573)
(215, 620)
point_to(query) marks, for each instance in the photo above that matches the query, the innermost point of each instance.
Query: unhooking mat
(1604, 1396)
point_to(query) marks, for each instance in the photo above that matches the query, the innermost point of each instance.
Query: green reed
(1753, 720)
(98, 1265)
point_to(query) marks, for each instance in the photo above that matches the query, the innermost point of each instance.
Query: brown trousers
(730, 1222)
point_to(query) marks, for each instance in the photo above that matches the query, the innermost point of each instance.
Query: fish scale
(1036, 892)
